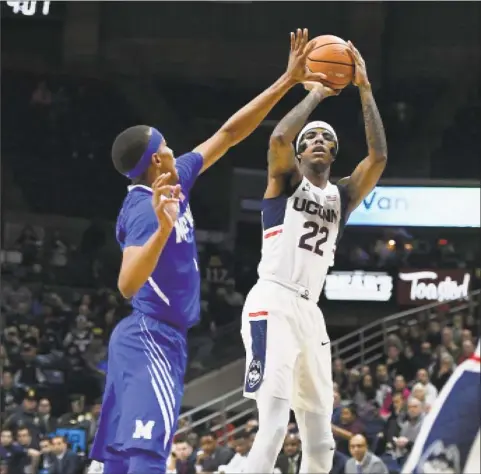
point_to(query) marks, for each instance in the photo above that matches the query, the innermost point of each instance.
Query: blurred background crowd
(72, 78)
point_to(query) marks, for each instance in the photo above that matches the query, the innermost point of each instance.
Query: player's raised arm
(247, 119)
(281, 155)
(140, 258)
(368, 171)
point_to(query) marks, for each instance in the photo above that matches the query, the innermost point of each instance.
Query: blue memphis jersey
(171, 294)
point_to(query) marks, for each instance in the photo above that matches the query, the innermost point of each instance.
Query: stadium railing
(361, 347)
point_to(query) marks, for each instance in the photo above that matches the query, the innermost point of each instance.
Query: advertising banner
(358, 285)
(422, 206)
(424, 286)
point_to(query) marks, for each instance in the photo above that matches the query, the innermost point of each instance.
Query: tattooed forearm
(376, 138)
(293, 122)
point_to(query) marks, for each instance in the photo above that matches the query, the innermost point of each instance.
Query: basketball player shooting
(288, 363)
(155, 230)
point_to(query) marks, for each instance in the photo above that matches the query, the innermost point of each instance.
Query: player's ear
(156, 160)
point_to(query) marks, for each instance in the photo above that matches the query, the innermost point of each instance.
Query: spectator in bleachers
(184, 457)
(349, 425)
(362, 460)
(419, 392)
(366, 392)
(448, 343)
(400, 387)
(409, 429)
(392, 428)
(289, 460)
(468, 350)
(243, 443)
(442, 370)
(339, 375)
(25, 414)
(9, 394)
(425, 357)
(46, 422)
(29, 442)
(46, 456)
(64, 460)
(81, 334)
(212, 455)
(431, 390)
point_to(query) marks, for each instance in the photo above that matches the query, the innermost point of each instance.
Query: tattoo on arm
(293, 122)
(376, 138)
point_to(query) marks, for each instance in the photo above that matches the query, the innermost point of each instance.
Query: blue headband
(144, 162)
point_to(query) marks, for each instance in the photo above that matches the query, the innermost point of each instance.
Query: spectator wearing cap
(26, 414)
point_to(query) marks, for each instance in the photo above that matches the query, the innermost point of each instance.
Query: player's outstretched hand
(360, 74)
(300, 49)
(165, 201)
(324, 90)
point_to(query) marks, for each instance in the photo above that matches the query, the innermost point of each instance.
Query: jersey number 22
(314, 231)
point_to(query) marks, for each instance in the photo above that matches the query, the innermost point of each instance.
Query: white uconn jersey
(300, 233)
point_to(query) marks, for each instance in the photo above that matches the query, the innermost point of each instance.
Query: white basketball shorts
(288, 350)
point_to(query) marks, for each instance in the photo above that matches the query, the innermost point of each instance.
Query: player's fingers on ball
(309, 47)
(315, 76)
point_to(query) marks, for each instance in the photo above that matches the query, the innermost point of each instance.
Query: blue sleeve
(140, 222)
(188, 166)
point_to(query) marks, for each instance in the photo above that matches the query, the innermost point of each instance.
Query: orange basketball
(331, 57)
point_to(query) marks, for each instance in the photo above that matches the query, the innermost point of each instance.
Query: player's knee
(319, 454)
(145, 462)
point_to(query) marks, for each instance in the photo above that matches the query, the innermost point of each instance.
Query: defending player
(147, 351)
(288, 352)
(449, 440)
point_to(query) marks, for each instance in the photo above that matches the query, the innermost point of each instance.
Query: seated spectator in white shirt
(243, 444)
(431, 390)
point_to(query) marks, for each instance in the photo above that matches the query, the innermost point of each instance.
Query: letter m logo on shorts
(143, 431)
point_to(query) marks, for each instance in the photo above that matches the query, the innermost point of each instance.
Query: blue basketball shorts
(143, 392)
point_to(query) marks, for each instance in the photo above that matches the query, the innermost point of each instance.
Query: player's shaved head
(129, 146)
